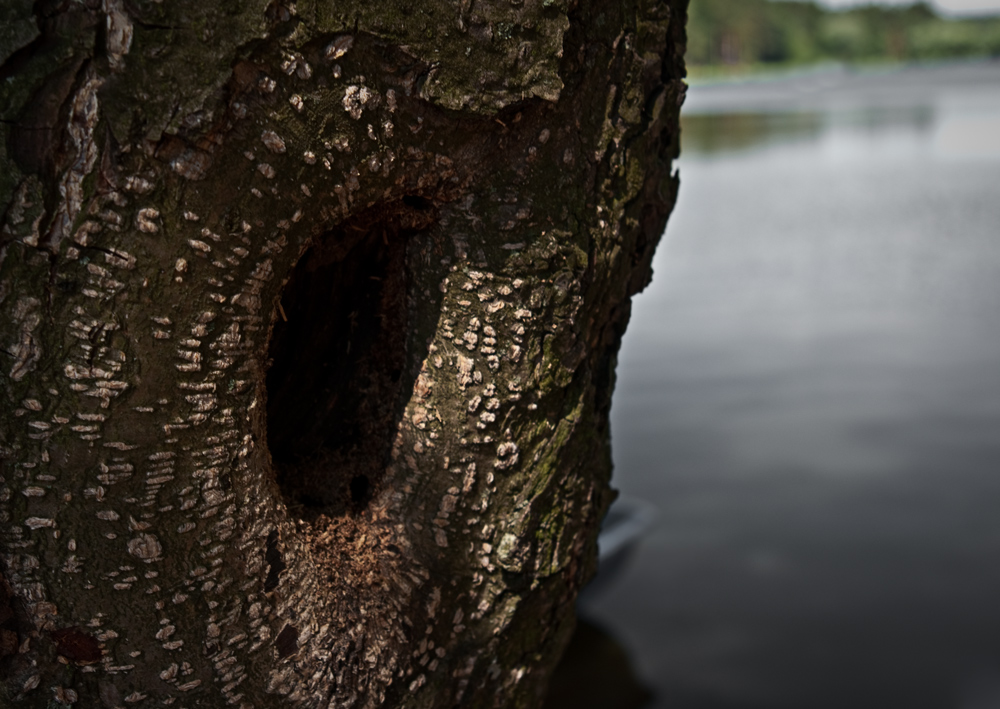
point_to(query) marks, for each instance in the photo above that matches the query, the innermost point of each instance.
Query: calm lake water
(809, 393)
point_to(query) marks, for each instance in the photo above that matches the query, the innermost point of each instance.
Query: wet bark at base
(308, 332)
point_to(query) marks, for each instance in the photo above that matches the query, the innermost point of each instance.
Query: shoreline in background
(768, 73)
(841, 91)
(745, 37)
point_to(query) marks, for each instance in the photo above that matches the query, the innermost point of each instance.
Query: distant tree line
(750, 32)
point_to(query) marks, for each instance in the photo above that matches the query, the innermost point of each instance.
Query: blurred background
(809, 392)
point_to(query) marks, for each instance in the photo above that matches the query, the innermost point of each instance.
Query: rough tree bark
(309, 322)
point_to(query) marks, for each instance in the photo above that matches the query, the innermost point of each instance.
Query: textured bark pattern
(309, 321)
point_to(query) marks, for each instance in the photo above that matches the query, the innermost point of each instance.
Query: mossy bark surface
(309, 322)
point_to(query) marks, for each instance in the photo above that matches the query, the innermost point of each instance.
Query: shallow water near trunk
(809, 392)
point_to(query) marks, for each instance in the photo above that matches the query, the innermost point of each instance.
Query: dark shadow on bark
(340, 369)
(15, 626)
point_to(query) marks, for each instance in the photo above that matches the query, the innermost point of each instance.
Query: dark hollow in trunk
(338, 378)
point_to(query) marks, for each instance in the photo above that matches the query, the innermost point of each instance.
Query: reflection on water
(595, 673)
(728, 132)
(711, 133)
(959, 118)
(810, 393)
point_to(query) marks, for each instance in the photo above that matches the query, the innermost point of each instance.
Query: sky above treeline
(947, 7)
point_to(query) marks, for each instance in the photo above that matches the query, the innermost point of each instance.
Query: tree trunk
(310, 315)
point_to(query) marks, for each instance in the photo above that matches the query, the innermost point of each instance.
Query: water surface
(809, 392)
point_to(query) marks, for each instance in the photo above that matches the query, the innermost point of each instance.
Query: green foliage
(742, 33)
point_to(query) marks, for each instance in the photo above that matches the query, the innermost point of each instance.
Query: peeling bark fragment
(25, 348)
(145, 547)
(273, 141)
(119, 32)
(81, 151)
(355, 100)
